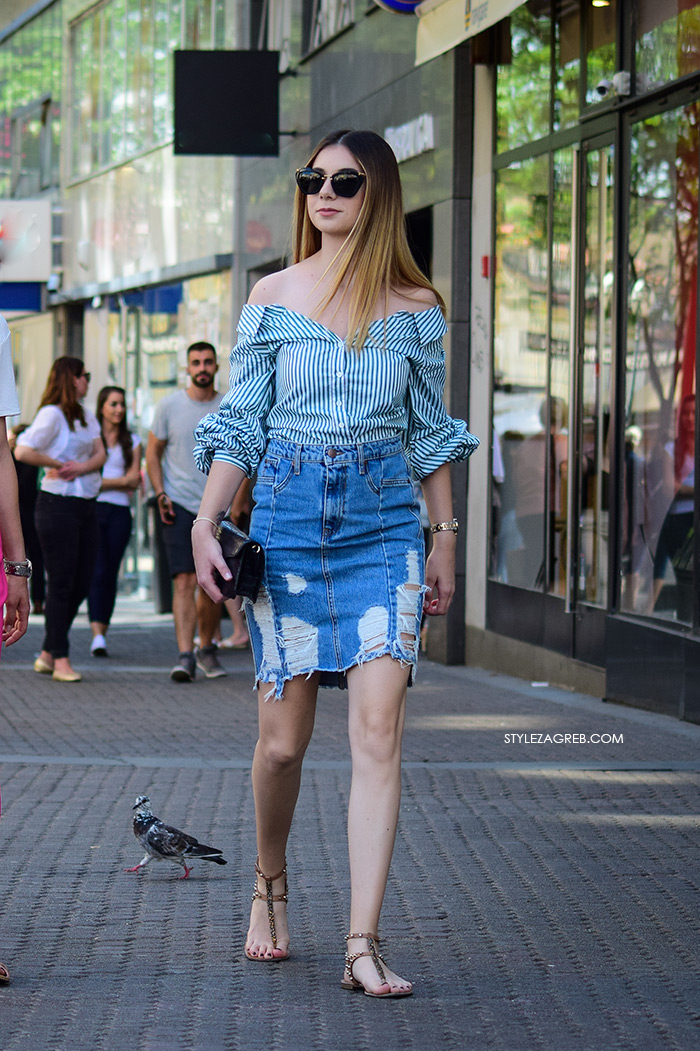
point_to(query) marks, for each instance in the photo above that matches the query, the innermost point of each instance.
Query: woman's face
(114, 409)
(329, 213)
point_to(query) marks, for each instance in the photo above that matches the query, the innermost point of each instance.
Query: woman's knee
(281, 754)
(376, 736)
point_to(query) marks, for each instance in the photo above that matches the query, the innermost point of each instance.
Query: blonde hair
(375, 257)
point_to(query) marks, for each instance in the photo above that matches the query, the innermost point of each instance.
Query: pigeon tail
(198, 850)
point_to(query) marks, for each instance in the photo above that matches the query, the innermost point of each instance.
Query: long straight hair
(60, 389)
(375, 258)
(124, 438)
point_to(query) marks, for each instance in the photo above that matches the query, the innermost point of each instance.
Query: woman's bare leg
(285, 728)
(377, 702)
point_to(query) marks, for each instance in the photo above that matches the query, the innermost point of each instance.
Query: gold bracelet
(203, 518)
(443, 527)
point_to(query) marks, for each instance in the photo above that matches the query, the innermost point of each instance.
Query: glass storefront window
(121, 59)
(601, 50)
(659, 476)
(567, 42)
(668, 41)
(560, 366)
(593, 461)
(30, 79)
(520, 369)
(524, 92)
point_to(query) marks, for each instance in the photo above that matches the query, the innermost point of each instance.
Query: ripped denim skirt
(344, 573)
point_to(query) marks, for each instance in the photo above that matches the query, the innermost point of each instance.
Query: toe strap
(372, 952)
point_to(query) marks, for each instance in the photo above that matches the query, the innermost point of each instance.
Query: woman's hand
(16, 610)
(68, 471)
(440, 574)
(207, 559)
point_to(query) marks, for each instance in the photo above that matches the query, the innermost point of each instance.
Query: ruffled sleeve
(236, 433)
(432, 436)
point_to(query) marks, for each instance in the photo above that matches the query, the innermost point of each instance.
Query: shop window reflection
(657, 537)
(668, 42)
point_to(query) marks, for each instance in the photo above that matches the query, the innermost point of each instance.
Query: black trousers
(67, 529)
(114, 530)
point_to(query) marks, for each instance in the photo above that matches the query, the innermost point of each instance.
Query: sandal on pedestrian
(270, 898)
(350, 982)
(4, 975)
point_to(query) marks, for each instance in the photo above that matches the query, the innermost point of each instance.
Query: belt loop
(361, 457)
(297, 458)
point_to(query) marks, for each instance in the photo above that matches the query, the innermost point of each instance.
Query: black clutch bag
(244, 557)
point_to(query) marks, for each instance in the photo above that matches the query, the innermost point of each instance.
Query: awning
(443, 26)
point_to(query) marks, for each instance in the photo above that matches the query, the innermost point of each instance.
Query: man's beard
(202, 379)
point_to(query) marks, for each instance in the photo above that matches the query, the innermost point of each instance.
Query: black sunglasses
(345, 183)
(86, 375)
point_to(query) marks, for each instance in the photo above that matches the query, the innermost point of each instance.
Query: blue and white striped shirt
(295, 380)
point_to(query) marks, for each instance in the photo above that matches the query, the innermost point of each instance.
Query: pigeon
(163, 843)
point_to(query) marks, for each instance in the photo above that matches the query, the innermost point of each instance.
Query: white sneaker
(98, 647)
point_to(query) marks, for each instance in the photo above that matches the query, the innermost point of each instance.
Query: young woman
(65, 439)
(335, 396)
(121, 476)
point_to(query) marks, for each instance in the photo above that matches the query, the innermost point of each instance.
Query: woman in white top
(65, 439)
(121, 476)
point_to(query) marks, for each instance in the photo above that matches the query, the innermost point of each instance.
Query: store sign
(446, 23)
(25, 240)
(412, 139)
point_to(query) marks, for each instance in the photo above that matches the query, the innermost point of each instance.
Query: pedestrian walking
(65, 440)
(15, 569)
(121, 477)
(179, 486)
(335, 396)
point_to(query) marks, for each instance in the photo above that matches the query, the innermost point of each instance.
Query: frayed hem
(277, 684)
(334, 678)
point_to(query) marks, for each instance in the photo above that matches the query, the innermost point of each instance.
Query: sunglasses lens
(309, 181)
(346, 184)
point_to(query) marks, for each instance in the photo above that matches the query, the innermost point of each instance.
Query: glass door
(589, 452)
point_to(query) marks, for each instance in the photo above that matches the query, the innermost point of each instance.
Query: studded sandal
(350, 982)
(270, 898)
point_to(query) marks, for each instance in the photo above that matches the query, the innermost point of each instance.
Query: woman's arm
(222, 485)
(25, 454)
(16, 615)
(73, 469)
(440, 567)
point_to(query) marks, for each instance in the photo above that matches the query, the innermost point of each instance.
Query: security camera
(53, 283)
(603, 87)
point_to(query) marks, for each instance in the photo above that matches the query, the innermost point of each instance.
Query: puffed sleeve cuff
(433, 437)
(236, 432)
(452, 443)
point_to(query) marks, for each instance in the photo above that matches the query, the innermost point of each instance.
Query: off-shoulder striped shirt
(295, 380)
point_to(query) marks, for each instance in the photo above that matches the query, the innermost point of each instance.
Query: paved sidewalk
(544, 893)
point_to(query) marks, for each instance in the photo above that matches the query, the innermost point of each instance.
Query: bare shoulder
(269, 289)
(412, 299)
(289, 287)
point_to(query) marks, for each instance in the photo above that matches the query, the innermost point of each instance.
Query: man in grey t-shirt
(179, 486)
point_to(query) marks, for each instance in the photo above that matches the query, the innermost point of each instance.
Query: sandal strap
(377, 958)
(269, 897)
